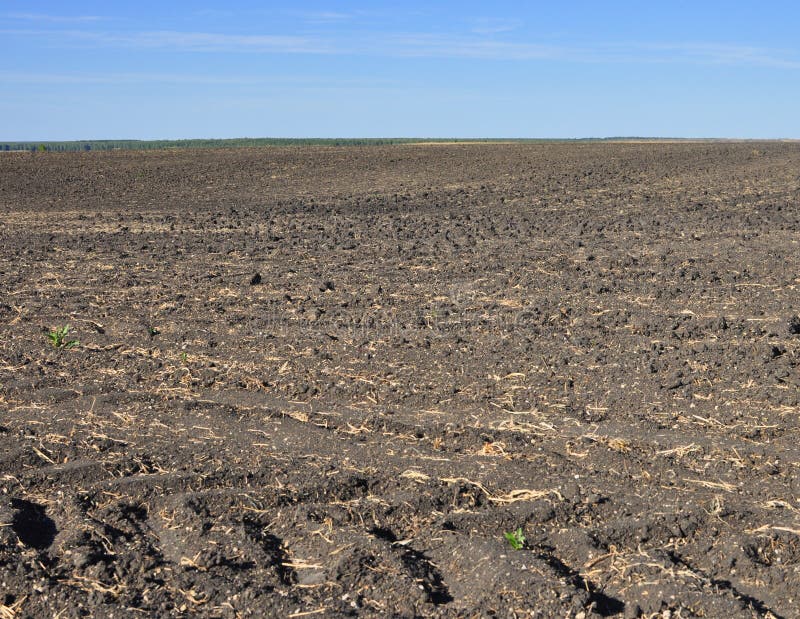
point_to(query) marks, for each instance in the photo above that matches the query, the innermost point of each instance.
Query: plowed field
(306, 382)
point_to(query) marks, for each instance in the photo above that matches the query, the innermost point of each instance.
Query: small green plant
(516, 538)
(184, 357)
(58, 337)
(153, 331)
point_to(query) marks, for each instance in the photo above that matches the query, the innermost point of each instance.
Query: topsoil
(328, 381)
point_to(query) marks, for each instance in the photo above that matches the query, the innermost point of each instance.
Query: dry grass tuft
(514, 496)
(11, 611)
(714, 485)
(416, 476)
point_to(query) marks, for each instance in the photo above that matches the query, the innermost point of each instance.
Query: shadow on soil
(33, 526)
(420, 566)
(604, 605)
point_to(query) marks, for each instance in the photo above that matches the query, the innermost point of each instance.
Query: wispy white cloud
(12, 77)
(120, 78)
(56, 19)
(491, 25)
(297, 16)
(191, 41)
(428, 45)
(369, 18)
(449, 46)
(492, 48)
(715, 53)
(214, 13)
(325, 16)
(211, 42)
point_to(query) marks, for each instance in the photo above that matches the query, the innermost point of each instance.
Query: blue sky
(147, 70)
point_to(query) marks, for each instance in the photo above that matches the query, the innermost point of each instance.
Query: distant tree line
(103, 145)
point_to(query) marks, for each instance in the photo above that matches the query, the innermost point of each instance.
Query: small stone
(81, 558)
(632, 611)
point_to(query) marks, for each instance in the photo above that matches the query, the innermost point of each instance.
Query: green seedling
(58, 337)
(516, 539)
(153, 331)
(184, 357)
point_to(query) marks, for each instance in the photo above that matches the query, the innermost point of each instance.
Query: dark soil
(325, 382)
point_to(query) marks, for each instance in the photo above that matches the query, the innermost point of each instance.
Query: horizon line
(610, 138)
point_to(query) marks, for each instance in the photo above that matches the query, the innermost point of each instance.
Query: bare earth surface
(595, 343)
